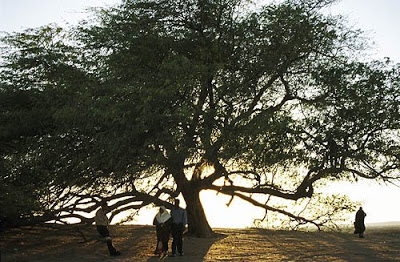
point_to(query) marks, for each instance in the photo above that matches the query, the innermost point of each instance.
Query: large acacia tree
(155, 98)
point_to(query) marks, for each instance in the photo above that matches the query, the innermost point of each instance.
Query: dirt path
(62, 244)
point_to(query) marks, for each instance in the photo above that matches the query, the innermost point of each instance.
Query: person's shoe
(117, 253)
(180, 254)
(172, 254)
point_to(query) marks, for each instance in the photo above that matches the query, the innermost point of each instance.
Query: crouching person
(102, 223)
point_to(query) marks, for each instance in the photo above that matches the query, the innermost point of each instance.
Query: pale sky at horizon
(380, 18)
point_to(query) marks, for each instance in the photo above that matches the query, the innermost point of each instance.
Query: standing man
(102, 223)
(179, 221)
(359, 223)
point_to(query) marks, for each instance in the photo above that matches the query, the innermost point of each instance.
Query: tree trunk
(197, 221)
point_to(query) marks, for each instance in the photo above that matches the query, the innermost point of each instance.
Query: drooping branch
(267, 207)
(84, 204)
(231, 189)
(305, 189)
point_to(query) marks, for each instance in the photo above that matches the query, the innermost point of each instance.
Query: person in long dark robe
(162, 221)
(359, 223)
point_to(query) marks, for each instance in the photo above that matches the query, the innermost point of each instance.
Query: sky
(379, 18)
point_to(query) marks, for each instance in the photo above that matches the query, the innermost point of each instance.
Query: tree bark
(197, 220)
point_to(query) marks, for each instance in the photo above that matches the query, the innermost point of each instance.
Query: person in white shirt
(102, 223)
(162, 221)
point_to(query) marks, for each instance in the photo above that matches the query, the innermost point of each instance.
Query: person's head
(162, 209)
(177, 202)
(361, 208)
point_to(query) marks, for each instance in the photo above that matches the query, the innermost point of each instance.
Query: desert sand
(136, 243)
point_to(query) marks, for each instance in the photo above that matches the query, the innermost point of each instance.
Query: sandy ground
(136, 243)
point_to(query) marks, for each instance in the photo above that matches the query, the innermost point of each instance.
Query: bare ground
(136, 243)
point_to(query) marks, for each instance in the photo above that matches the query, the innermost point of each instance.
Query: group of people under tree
(166, 224)
(174, 224)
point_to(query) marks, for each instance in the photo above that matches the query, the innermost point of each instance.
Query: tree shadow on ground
(195, 249)
(269, 245)
(137, 243)
(49, 243)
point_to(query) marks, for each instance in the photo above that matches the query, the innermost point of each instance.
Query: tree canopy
(155, 99)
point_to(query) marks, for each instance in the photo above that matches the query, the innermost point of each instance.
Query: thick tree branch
(267, 207)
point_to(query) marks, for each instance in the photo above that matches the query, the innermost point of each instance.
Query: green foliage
(158, 90)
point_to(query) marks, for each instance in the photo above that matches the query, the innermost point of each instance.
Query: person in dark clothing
(332, 153)
(179, 221)
(162, 221)
(359, 223)
(102, 223)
